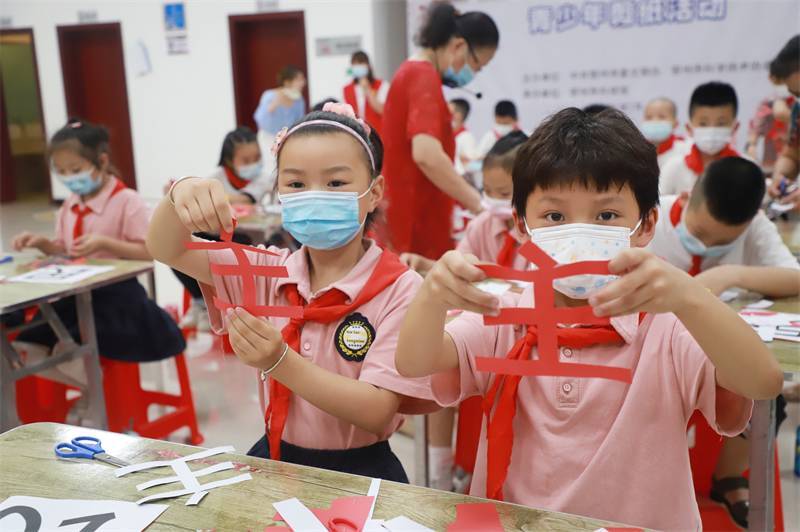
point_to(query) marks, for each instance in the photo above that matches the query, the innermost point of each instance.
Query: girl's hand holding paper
(254, 340)
(449, 284)
(202, 205)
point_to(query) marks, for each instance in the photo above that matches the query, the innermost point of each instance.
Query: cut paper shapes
(404, 524)
(773, 325)
(547, 317)
(345, 513)
(248, 273)
(61, 274)
(184, 475)
(477, 517)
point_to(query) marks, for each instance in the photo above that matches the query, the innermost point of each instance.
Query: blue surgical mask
(451, 78)
(250, 171)
(657, 130)
(322, 219)
(81, 183)
(359, 71)
(694, 246)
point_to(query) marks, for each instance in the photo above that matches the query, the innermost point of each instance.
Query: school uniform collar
(98, 203)
(351, 284)
(667, 144)
(627, 326)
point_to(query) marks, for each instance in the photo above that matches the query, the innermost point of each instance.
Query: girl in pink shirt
(101, 219)
(334, 394)
(586, 188)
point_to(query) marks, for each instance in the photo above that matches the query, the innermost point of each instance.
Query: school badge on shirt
(354, 336)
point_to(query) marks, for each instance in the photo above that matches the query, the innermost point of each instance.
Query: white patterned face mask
(570, 243)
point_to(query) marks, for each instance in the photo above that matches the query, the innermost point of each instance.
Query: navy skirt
(376, 460)
(130, 326)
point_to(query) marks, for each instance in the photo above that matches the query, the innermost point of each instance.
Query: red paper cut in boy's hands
(546, 317)
(248, 272)
(346, 514)
(477, 517)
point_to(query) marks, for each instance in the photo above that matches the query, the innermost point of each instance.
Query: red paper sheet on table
(346, 514)
(248, 272)
(547, 317)
(478, 517)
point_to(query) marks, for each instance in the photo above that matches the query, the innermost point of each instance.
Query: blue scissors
(87, 447)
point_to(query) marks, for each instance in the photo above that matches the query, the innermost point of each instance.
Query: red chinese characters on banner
(248, 272)
(546, 317)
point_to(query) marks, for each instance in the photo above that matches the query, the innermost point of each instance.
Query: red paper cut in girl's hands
(346, 514)
(546, 317)
(477, 517)
(248, 272)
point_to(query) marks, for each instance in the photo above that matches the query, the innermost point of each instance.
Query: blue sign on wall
(174, 18)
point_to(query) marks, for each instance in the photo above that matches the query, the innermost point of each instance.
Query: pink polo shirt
(308, 426)
(484, 238)
(123, 216)
(595, 447)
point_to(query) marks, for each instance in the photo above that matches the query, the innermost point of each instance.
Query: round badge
(354, 336)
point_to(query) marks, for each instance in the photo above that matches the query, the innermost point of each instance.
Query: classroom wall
(182, 108)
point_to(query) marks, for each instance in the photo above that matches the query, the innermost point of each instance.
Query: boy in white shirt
(466, 146)
(660, 121)
(505, 121)
(712, 124)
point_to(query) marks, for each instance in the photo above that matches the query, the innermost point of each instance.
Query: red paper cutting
(346, 514)
(547, 317)
(248, 272)
(477, 517)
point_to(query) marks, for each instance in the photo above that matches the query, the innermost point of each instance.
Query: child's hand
(202, 205)
(88, 244)
(648, 284)
(418, 263)
(255, 341)
(449, 284)
(29, 240)
(718, 279)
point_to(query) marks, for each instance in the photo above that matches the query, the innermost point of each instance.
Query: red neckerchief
(459, 131)
(500, 426)
(327, 308)
(675, 218)
(695, 162)
(236, 182)
(667, 144)
(509, 250)
(81, 211)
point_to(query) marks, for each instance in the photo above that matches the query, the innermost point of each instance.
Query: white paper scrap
(404, 524)
(60, 274)
(493, 286)
(728, 295)
(761, 304)
(295, 514)
(18, 513)
(374, 488)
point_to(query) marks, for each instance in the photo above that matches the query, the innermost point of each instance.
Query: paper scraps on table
(760, 304)
(64, 274)
(349, 513)
(248, 272)
(476, 517)
(184, 475)
(39, 513)
(547, 317)
(619, 529)
(404, 524)
(299, 518)
(728, 295)
(779, 208)
(773, 325)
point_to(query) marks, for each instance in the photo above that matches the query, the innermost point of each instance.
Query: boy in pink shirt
(601, 448)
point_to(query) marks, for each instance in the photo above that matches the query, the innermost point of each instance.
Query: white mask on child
(711, 140)
(570, 243)
(503, 129)
(497, 206)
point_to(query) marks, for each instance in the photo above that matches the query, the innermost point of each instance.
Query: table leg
(8, 391)
(97, 402)
(762, 470)
(421, 466)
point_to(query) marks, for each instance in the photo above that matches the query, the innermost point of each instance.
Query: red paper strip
(346, 514)
(227, 245)
(276, 311)
(531, 368)
(476, 517)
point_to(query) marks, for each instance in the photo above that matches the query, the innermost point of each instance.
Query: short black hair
(88, 140)
(600, 150)
(288, 73)
(787, 62)
(505, 108)
(594, 108)
(732, 189)
(714, 94)
(504, 151)
(443, 22)
(240, 135)
(319, 105)
(462, 106)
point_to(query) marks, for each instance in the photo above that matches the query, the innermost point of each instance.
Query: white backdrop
(554, 54)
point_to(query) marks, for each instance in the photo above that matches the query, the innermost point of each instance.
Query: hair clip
(75, 125)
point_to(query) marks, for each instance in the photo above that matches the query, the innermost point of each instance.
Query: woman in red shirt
(421, 182)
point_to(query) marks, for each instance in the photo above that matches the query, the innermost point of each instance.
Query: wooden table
(29, 467)
(16, 296)
(790, 233)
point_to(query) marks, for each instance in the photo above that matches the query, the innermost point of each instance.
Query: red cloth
(459, 131)
(675, 218)
(667, 144)
(82, 210)
(372, 117)
(506, 255)
(328, 308)
(500, 430)
(695, 162)
(236, 182)
(419, 216)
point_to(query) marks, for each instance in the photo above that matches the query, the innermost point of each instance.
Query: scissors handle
(90, 443)
(68, 450)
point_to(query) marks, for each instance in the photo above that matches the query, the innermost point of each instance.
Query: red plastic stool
(40, 399)
(703, 458)
(127, 402)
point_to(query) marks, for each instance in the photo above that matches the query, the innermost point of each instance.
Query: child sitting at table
(101, 218)
(718, 234)
(606, 449)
